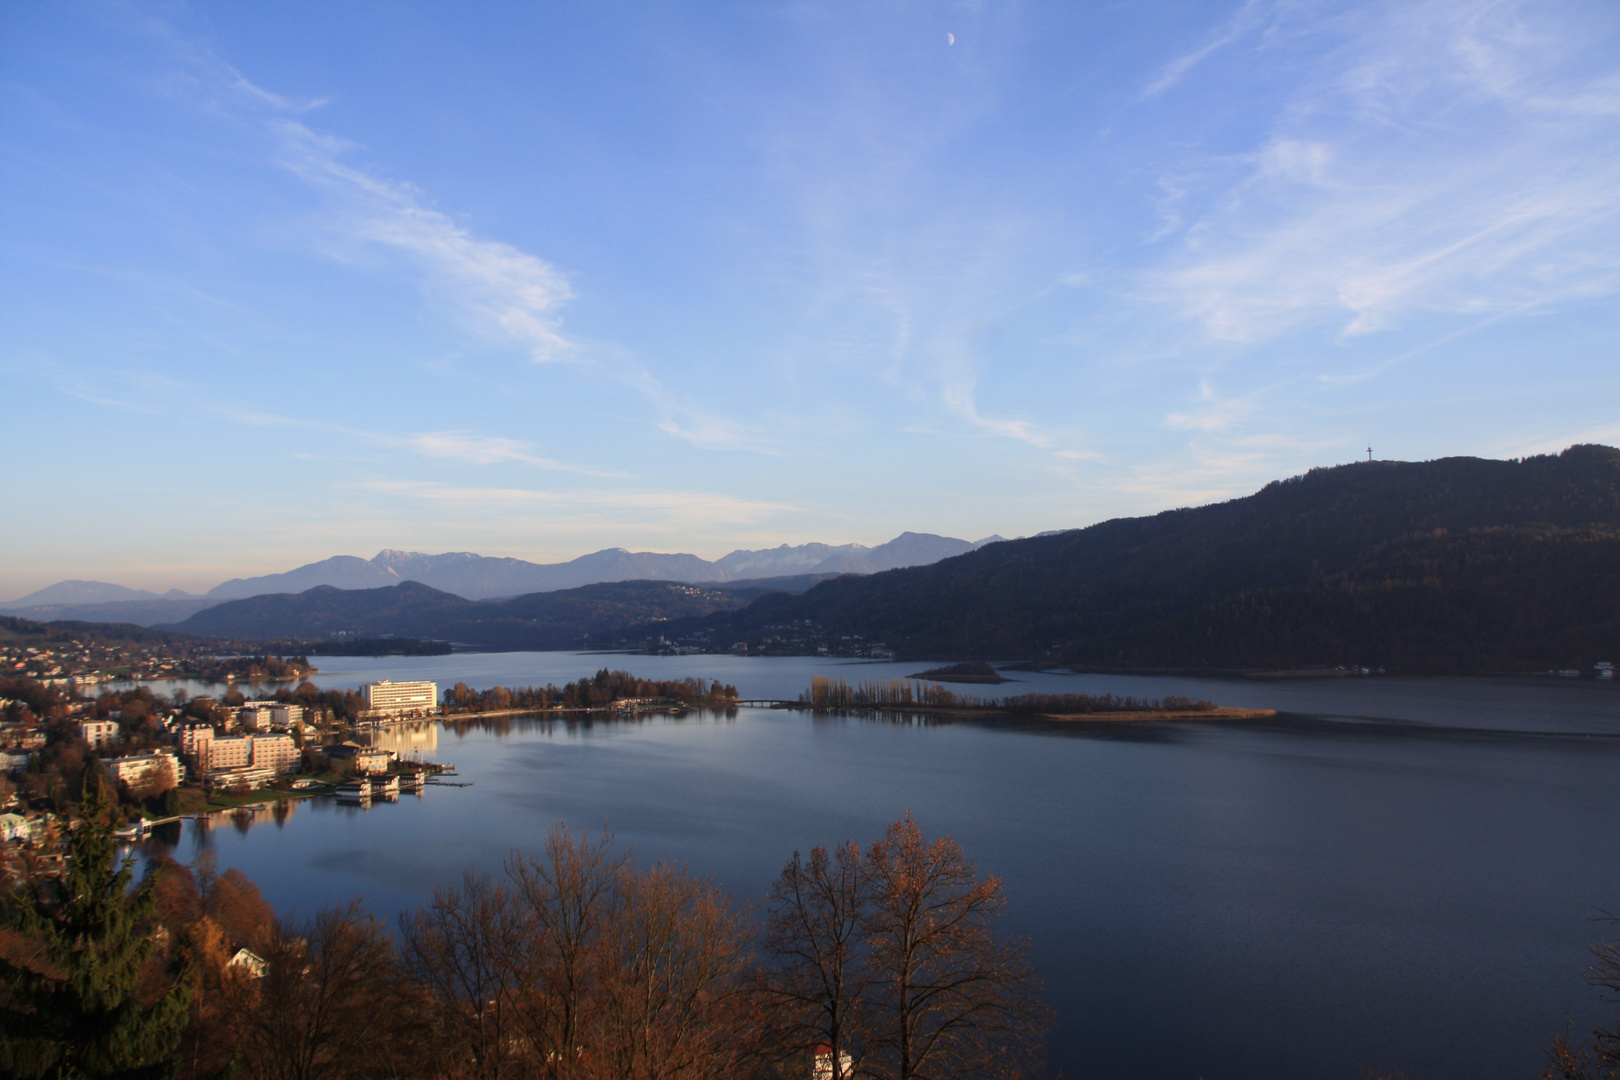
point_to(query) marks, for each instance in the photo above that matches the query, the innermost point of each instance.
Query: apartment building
(228, 752)
(401, 699)
(157, 766)
(276, 752)
(99, 733)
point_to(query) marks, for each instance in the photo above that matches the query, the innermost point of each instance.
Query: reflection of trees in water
(549, 723)
(890, 717)
(281, 811)
(201, 839)
(167, 835)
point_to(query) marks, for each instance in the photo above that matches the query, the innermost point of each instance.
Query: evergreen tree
(72, 1011)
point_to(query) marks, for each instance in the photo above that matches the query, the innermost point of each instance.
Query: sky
(285, 281)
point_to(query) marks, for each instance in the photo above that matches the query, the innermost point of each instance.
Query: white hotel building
(386, 698)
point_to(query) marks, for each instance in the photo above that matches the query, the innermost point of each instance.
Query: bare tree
(953, 1000)
(820, 981)
(888, 966)
(568, 894)
(466, 950)
(674, 969)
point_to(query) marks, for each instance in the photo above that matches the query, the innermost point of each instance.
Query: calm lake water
(1398, 875)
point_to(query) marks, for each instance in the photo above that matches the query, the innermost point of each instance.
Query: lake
(1398, 874)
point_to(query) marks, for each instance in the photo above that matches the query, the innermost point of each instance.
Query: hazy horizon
(289, 282)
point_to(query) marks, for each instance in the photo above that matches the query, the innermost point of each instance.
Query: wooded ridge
(1454, 565)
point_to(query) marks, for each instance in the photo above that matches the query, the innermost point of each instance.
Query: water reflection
(549, 723)
(168, 837)
(1395, 874)
(411, 740)
(167, 834)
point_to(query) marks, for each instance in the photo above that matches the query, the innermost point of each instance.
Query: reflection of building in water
(407, 741)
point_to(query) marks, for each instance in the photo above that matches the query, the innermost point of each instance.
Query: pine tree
(73, 1013)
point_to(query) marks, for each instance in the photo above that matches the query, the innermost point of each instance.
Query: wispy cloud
(960, 401)
(508, 290)
(480, 450)
(504, 290)
(148, 392)
(1448, 157)
(1247, 17)
(669, 506)
(1215, 413)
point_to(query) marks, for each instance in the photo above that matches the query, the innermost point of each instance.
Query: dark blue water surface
(1397, 874)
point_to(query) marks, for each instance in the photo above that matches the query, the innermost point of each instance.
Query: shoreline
(1219, 712)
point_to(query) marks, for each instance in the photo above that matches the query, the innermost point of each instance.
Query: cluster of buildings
(88, 660)
(239, 762)
(799, 638)
(264, 716)
(238, 748)
(262, 740)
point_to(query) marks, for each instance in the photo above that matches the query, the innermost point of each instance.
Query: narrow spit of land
(910, 695)
(622, 694)
(603, 693)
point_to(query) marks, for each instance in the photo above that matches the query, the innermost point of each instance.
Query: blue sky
(290, 280)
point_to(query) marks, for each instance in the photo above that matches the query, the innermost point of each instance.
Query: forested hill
(1460, 564)
(564, 619)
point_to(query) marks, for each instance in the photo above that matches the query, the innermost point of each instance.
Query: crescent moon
(950, 39)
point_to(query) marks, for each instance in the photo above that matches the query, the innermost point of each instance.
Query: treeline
(68, 630)
(577, 963)
(830, 693)
(603, 688)
(553, 620)
(267, 665)
(370, 647)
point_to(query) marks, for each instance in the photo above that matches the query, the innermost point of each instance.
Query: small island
(968, 671)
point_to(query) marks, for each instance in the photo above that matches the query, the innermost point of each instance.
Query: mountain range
(479, 577)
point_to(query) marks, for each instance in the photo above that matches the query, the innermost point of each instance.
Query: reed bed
(830, 693)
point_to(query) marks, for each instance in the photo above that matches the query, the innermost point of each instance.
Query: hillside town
(85, 654)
